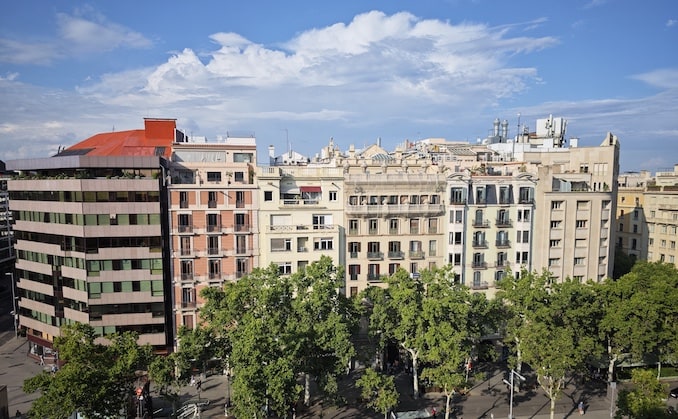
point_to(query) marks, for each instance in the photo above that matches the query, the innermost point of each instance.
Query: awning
(310, 189)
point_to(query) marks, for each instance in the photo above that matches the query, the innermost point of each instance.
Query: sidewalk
(15, 367)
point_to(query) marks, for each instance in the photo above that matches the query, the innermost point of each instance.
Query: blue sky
(300, 71)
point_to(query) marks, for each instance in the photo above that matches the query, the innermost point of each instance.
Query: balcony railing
(481, 223)
(186, 252)
(188, 304)
(185, 228)
(240, 204)
(211, 228)
(375, 255)
(479, 265)
(480, 244)
(213, 251)
(503, 222)
(241, 227)
(353, 255)
(187, 277)
(480, 285)
(373, 277)
(417, 254)
(352, 231)
(211, 204)
(503, 243)
(396, 255)
(183, 204)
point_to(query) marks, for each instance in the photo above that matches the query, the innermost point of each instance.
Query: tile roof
(154, 140)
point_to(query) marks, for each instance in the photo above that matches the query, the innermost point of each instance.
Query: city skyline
(298, 73)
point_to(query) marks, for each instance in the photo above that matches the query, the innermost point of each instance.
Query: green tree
(378, 390)
(95, 380)
(426, 316)
(324, 321)
(162, 372)
(558, 334)
(521, 297)
(645, 400)
(641, 316)
(623, 263)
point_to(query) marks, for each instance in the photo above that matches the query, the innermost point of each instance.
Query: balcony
(186, 252)
(501, 264)
(458, 201)
(483, 285)
(240, 204)
(481, 224)
(396, 255)
(183, 204)
(241, 227)
(374, 277)
(372, 231)
(480, 244)
(525, 200)
(185, 229)
(395, 210)
(503, 243)
(214, 275)
(417, 254)
(352, 231)
(353, 255)
(302, 249)
(479, 264)
(188, 304)
(503, 222)
(211, 228)
(375, 255)
(187, 276)
(211, 204)
(213, 251)
(393, 230)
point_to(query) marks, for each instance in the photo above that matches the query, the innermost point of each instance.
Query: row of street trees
(277, 333)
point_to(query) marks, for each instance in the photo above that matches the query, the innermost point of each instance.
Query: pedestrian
(434, 413)
(42, 359)
(581, 408)
(192, 380)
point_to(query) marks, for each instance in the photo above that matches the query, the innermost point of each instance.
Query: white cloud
(671, 22)
(76, 35)
(666, 78)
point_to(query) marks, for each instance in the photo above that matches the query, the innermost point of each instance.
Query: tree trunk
(447, 404)
(307, 389)
(659, 370)
(610, 366)
(415, 375)
(519, 357)
(553, 408)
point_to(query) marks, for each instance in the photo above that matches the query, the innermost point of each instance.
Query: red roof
(154, 140)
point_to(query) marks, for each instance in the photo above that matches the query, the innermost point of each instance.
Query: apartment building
(300, 215)
(631, 223)
(661, 210)
(214, 218)
(91, 225)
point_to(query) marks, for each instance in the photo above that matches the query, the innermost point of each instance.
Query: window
(504, 195)
(212, 245)
(525, 195)
(578, 261)
(353, 249)
(433, 226)
(582, 205)
(214, 269)
(556, 224)
(554, 243)
(457, 196)
(373, 272)
(556, 205)
(635, 214)
(554, 262)
(268, 196)
(214, 176)
(456, 259)
(186, 270)
(239, 177)
(333, 195)
(352, 226)
(392, 268)
(635, 228)
(322, 222)
(524, 215)
(523, 236)
(393, 226)
(183, 199)
(285, 268)
(432, 248)
(621, 227)
(281, 245)
(373, 226)
(481, 195)
(476, 279)
(323, 244)
(414, 226)
(634, 244)
(353, 272)
(581, 223)
(521, 257)
(212, 199)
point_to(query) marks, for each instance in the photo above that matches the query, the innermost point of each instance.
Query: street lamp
(15, 313)
(510, 384)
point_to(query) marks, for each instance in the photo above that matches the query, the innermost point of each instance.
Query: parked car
(674, 393)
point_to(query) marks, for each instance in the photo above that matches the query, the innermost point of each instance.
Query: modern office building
(91, 229)
(214, 218)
